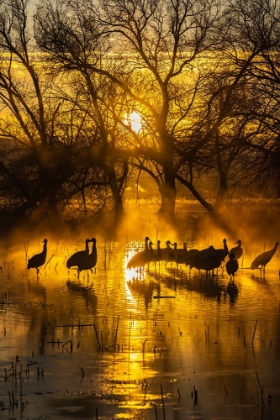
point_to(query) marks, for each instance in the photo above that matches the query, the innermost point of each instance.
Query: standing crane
(264, 258)
(237, 251)
(207, 261)
(89, 261)
(232, 266)
(38, 259)
(223, 251)
(141, 258)
(78, 256)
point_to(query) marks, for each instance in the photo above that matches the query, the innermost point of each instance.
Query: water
(163, 344)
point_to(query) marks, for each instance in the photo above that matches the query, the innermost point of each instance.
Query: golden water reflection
(119, 343)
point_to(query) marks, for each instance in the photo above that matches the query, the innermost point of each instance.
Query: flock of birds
(83, 260)
(207, 259)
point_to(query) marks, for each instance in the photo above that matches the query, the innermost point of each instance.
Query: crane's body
(89, 261)
(167, 253)
(232, 266)
(223, 251)
(207, 261)
(38, 259)
(141, 258)
(237, 251)
(75, 258)
(264, 258)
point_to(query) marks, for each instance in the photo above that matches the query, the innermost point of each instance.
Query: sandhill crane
(232, 266)
(223, 251)
(181, 254)
(190, 255)
(151, 252)
(167, 253)
(141, 258)
(158, 256)
(89, 261)
(38, 259)
(173, 253)
(237, 250)
(78, 256)
(208, 262)
(264, 258)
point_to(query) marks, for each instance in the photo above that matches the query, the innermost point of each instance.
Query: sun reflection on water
(120, 334)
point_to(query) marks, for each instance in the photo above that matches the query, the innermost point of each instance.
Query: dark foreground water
(163, 345)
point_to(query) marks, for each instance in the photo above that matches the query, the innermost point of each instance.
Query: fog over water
(126, 123)
(166, 343)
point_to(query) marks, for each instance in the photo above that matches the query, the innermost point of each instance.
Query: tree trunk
(221, 192)
(117, 197)
(168, 193)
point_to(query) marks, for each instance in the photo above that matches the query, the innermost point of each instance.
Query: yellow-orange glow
(134, 120)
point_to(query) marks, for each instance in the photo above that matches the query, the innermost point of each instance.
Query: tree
(44, 138)
(162, 41)
(255, 31)
(73, 40)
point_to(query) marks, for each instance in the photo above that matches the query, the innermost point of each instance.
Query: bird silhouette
(78, 256)
(191, 254)
(207, 261)
(264, 258)
(157, 253)
(232, 266)
(181, 254)
(167, 253)
(38, 259)
(237, 250)
(141, 258)
(89, 261)
(223, 251)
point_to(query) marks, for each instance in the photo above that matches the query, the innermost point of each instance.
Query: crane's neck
(146, 244)
(93, 249)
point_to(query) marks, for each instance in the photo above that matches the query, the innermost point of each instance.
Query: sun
(134, 121)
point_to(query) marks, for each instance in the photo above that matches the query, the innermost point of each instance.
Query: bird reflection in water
(143, 288)
(86, 292)
(38, 290)
(232, 291)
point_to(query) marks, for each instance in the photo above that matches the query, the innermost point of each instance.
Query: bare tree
(162, 41)
(72, 38)
(255, 31)
(41, 164)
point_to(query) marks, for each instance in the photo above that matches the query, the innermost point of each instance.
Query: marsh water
(166, 343)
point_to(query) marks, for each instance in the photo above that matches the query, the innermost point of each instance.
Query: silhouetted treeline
(94, 94)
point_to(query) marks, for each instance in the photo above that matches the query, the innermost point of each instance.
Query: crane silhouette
(181, 254)
(207, 261)
(157, 253)
(38, 259)
(89, 261)
(141, 258)
(223, 251)
(78, 256)
(232, 266)
(237, 250)
(264, 258)
(167, 253)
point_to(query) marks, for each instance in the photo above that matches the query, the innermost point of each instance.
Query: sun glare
(134, 120)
